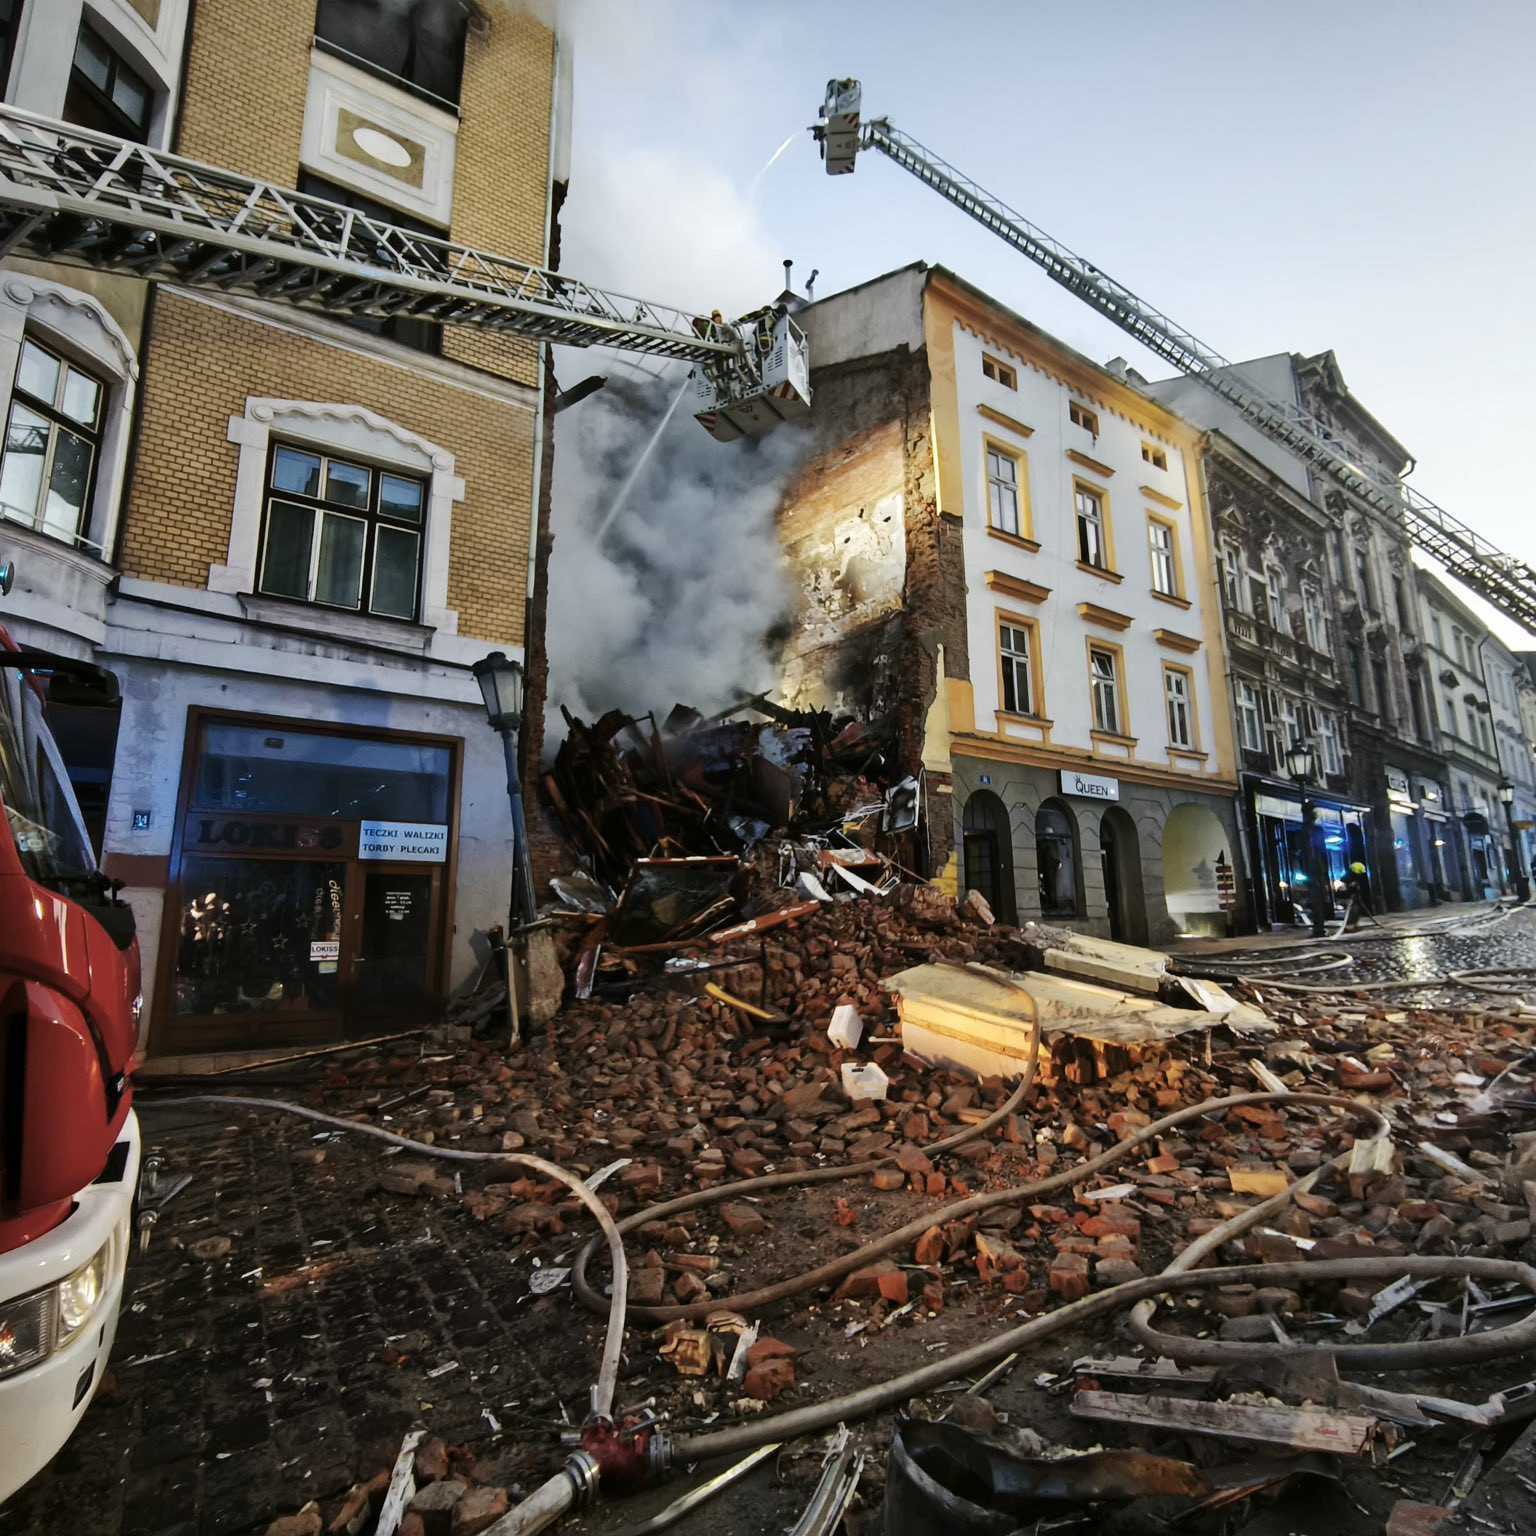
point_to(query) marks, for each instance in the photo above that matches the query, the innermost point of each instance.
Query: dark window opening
(1400, 602)
(105, 93)
(1416, 704)
(1356, 677)
(1383, 699)
(1363, 573)
(987, 848)
(423, 335)
(1056, 857)
(419, 43)
(342, 534)
(10, 25)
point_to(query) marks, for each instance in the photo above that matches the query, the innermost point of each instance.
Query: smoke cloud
(679, 599)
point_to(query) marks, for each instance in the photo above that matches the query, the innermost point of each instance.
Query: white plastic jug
(846, 1028)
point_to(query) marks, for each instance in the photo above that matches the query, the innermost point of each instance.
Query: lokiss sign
(1091, 786)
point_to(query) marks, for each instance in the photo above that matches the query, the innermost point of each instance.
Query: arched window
(1056, 856)
(988, 853)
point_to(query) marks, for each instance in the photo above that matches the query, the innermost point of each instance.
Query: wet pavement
(1430, 946)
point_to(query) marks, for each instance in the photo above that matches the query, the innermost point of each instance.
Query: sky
(1275, 178)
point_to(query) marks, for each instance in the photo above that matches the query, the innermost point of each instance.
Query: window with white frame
(1018, 668)
(1003, 491)
(1092, 531)
(1314, 619)
(1232, 578)
(342, 534)
(52, 440)
(1290, 723)
(1104, 681)
(1165, 559)
(1180, 707)
(1250, 719)
(1274, 585)
(1332, 746)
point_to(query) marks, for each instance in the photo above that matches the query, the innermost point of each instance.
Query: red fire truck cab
(69, 1141)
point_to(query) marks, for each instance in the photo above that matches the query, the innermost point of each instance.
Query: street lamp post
(501, 687)
(1517, 864)
(1301, 763)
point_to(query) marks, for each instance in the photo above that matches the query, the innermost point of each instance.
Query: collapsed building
(1002, 548)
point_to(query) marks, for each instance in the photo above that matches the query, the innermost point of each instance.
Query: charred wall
(878, 574)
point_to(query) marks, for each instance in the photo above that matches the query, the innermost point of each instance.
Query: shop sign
(1271, 805)
(1091, 786)
(419, 842)
(325, 949)
(232, 833)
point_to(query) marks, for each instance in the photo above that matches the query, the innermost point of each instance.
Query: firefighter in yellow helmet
(1357, 887)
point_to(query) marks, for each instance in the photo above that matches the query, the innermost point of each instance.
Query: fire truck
(69, 1140)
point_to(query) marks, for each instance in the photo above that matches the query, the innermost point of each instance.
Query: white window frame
(1179, 708)
(1165, 557)
(1332, 752)
(1098, 521)
(75, 325)
(346, 431)
(1249, 708)
(999, 485)
(1017, 666)
(1232, 576)
(1313, 619)
(1104, 689)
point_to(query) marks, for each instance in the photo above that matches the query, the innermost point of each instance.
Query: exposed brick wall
(501, 185)
(246, 78)
(866, 639)
(204, 363)
(251, 119)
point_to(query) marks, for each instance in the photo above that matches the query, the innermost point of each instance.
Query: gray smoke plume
(679, 600)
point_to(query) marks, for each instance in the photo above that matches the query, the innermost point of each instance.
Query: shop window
(422, 335)
(1056, 857)
(1092, 526)
(999, 372)
(1016, 657)
(258, 769)
(52, 441)
(342, 534)
(106, 94)
(418, 44)
(1104, 682)
(1003, 491)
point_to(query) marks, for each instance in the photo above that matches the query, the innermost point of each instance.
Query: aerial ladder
(1506, 582)
(69, 194)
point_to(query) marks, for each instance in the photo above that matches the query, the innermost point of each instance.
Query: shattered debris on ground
(691, 1080)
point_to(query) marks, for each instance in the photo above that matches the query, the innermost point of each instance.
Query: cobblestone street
(286, 1368)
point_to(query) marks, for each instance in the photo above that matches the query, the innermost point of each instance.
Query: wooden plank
(1300, 1429)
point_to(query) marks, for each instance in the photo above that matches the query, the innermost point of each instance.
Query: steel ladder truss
(70, 194)
(1507, 583)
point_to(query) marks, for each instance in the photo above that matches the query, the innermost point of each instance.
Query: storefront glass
(310, 897)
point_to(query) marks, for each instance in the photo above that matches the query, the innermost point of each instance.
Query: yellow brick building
(297, 530)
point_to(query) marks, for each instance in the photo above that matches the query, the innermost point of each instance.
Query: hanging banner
(418, 842)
